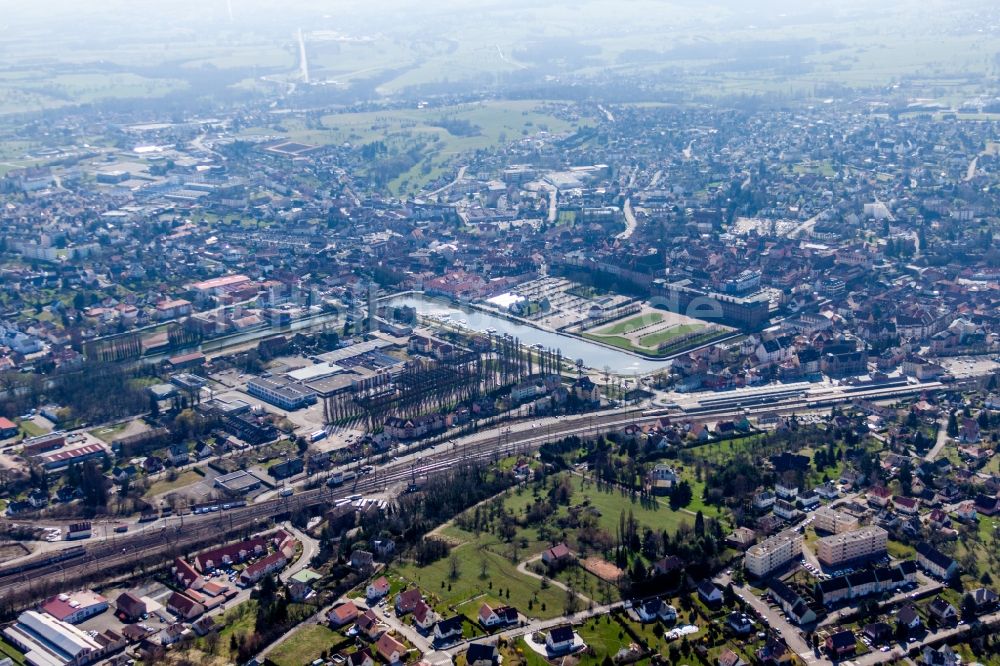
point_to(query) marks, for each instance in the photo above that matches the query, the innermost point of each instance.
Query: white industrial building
(46, 641)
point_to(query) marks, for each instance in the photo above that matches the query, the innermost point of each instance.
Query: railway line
(181, 532)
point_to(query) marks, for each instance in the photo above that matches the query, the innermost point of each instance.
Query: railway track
(116, 552)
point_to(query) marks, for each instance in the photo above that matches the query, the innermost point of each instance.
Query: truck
(317, 436)
(285, 492)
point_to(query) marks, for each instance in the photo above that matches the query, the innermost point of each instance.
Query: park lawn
(186, 478)
(612, 503)
(631, 324)
(613, 340)
(304, 645)
(653, 340)
(589, 585)
(434, 579)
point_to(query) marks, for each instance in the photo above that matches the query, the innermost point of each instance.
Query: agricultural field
(442, 135)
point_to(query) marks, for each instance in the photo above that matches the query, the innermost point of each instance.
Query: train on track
(60, 556)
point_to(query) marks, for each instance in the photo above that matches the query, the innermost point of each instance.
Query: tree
(680, 495)
(952, 424)
(968, 608)
(453, 567)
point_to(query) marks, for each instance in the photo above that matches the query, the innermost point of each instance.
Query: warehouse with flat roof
(46, 641)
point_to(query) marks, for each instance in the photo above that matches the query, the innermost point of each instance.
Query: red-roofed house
(257, 570)
(424, 616)
(907, 505)
(879, 496)
(185, 574)
(378, 588)
(407, 600)
(343, 614)
(557, 554)
(369, 626)
(389, 649)
(184, 607)
(230, 554)
(130, 607)
(501, 616)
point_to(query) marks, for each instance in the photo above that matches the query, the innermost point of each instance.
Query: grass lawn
(8, 650)
(106, 434)
(653, 340)
(900, 551)
(605, 635)
(469, 584)
(32, 429)
(183, 479)
(237, 621)
(631, 324)
(613, 340)
(305, 645)
(611, 504)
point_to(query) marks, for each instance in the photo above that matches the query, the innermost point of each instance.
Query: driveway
(523, 568)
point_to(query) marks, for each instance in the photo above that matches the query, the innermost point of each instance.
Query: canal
(594, 355)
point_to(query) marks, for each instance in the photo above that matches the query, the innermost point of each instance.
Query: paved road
(630, 223)
(445, 188)
(537, 625)
(523, 568)
(942, 439)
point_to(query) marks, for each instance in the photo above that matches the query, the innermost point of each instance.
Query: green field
(654, 340)
(470, 590)
(184, 479)
(304, 645)
(484, 558)
(648, 345)
(8, 650)
(31, 429)
(492, 124)
(631, 324)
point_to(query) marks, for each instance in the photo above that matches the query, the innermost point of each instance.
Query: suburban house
(556, 555)
(377, 588)
(184, 607)
(343, 614)
(407, 600)
(560, 640)
(936, 563)
(390, 649)
(362, 657)
(709, 594)
(840, 644)
(448, 629)
(501, 616)
(424, 616)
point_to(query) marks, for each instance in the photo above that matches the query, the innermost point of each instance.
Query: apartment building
(855, 546)
(773, 553)
(832, 521)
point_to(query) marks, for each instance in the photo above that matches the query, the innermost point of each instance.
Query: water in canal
(593, 355)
